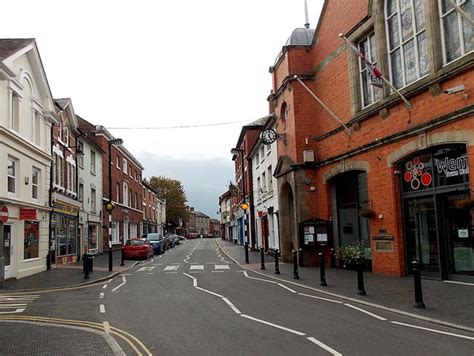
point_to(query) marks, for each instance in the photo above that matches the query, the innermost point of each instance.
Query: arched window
(457, 32)
(407, 44)
(283, 114)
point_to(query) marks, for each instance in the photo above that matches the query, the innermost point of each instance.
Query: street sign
(4, 213)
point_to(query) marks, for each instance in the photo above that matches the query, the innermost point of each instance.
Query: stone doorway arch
(288, 228)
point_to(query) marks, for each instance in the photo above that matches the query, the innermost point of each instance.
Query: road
(193, 300)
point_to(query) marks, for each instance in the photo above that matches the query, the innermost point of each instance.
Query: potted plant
(348, 255)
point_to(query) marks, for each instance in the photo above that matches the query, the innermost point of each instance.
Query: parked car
(137, 248)
(181, 237)
(169, 241)
(156, 241)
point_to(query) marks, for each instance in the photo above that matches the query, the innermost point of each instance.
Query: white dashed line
(274, 325)
(106, 327)
(287, 288)
(101, 295)
(199, 267)
(102, 308)
(105, 286)
(324, 346)
(321, 298)
(121, 284)
(433, 330)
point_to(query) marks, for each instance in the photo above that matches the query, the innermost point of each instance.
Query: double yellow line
(136, 345)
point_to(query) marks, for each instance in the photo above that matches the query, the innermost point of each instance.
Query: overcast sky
(164, 63)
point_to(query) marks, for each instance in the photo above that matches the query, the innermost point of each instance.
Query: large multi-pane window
(407, 42)
(11, 175)
(457, 32)
(93, 200)
(92, 162)
(34, 183)
(370, 93)
(125, 193)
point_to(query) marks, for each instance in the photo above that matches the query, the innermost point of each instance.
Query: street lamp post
(244, 204)
(109, 207)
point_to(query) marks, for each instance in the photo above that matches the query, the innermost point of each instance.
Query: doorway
(422, 236)
(7, 250)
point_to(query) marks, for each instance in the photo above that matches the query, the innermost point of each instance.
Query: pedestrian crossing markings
(195, 267)
(11, 304)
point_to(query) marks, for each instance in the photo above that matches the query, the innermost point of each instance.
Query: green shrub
(348, 255)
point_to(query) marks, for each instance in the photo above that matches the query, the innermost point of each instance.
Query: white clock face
(268, 136)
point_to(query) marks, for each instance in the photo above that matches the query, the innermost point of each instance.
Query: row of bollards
(322, 272)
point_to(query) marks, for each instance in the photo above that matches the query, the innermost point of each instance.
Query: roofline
(250, 127)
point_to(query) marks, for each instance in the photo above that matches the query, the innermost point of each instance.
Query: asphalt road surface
(194, 301)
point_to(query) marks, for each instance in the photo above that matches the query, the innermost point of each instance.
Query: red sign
(27, 214)
(4, 213)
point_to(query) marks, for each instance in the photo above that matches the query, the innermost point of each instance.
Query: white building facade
(264, 161)
(160, 215)
(27, 113)
(89, 165)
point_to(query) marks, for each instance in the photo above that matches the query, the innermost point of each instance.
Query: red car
(137, 248)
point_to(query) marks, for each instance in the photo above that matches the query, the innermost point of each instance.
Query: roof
(255, 125)
(301, 36)
(10, 46)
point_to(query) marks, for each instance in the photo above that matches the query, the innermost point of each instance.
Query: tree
(172, 190)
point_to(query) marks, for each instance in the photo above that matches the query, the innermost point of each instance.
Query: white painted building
(90, 194)
(160, 215)
(27, 113)
(264, 160)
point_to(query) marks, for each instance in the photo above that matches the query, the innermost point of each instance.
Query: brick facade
(382, 134)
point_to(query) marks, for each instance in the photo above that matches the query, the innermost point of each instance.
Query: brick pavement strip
(27, 338)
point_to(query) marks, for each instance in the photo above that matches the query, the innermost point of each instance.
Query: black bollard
(300, 257)
(417, 280)
(262, 258)
(85, 260)
(360, 277)
(333, 258)
(246, 248)
(295, 265)
(322, 271)
(277, 265)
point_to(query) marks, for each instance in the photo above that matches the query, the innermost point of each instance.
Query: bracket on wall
(282, 137)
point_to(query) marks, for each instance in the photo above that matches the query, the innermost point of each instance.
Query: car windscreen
(153, 237)
(135, 243)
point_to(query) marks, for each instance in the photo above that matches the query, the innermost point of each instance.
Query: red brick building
(396, 180)
(149, 209)
(127, 187)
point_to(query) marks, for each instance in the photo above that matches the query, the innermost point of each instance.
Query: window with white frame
(124, 166)
(407, 43)
(118, 193)
(93, 166)
(80, 157)
(35, 175)
(16, 112)
(60, 132)
(125, 193)
(66, 137)
(130, 196)
(93, 200)
(118, 161)
(81, 194)
(369, 93)
(11, 174)
(115, 231)
(457, 32)
(270, 180)
(262, 152)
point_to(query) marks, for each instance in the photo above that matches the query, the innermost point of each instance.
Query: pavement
(447, 303)
(68, 276)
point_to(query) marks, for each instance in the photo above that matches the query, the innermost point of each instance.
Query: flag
(375, 74)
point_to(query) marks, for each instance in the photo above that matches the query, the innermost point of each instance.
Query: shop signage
(4, 213)
(65, 208)
(27, 214)
(414, 174)
(452, 167)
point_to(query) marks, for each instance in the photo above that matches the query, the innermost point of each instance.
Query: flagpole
(462, 12)
(346, 129)
(386, 81)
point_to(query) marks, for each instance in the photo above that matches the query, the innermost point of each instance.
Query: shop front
(438, 212)
(64, 232)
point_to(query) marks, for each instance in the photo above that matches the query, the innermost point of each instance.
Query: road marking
(200, 267)
(102, 308)
(121, 284)
(106, 327)
(171, 268)
(105, 286)
(221, 267)
(227, 301)
(211, 263)
(110, 280)
(365, 311)
(274, 325)
(21, 310)
(258, 279)
(289, 289)
(324, 346)
(101, 295)
(463, 283)
(6, 306)
(217, 271)
(208, 291)
(433, 330)
(143, 269)
(176, 263)
(171, 272)
(321, 298)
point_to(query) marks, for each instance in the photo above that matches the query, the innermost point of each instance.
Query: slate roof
(10, 46)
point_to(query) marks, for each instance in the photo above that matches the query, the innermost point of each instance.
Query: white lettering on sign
(452, 167)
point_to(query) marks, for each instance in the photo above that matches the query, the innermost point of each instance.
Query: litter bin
(88, 260)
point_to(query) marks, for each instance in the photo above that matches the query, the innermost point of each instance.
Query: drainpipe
(50, 202)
